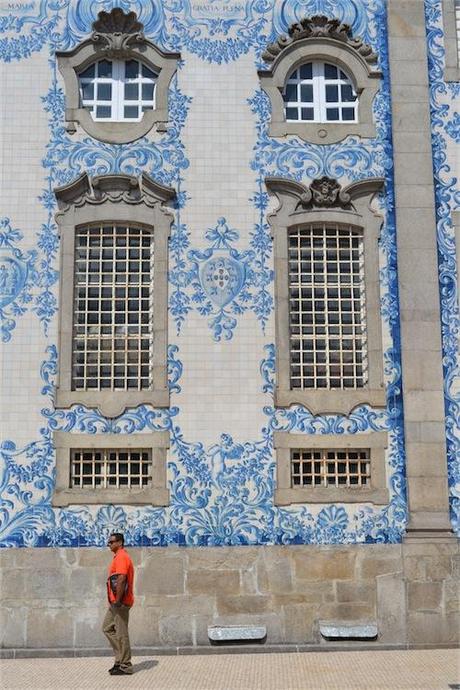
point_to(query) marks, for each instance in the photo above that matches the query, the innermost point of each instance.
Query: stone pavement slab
(365, 670)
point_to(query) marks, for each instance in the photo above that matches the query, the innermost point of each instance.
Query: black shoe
(119, 672)
(114, 668)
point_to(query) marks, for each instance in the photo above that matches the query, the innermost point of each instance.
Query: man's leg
(121, 626)
(109, 630)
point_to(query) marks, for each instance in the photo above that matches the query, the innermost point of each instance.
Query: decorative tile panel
(221, 274)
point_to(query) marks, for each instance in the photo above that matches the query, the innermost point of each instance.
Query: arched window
(327, 295)
(116, 81)
(321, 82)
(114, 315)
(117, 90)
(320, 92)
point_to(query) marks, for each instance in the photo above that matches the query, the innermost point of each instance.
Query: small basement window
(330, 468)
(93, 468)
(337, 467)
(111, 468)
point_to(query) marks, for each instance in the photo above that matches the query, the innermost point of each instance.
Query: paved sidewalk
(377, 670)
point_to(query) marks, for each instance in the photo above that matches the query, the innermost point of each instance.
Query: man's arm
(121, 584)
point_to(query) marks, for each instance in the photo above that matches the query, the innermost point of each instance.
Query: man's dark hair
(119, 537)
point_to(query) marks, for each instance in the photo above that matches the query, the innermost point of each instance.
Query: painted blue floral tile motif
(17, 277)
(220, 278)
(447, 199)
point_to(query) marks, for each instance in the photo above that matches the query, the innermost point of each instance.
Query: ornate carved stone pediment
(116, 32)
(114, 188)
(319, 26)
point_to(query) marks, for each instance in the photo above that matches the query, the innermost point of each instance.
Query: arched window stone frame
(114, 198)
(325, 201)
(324, 40)
(118, 36)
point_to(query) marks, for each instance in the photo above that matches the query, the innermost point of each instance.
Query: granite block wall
(411, 592)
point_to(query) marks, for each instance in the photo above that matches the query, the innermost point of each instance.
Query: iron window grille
(337, 467)
(113, 308)
(320, 92)
(327, 308)
(110, 468)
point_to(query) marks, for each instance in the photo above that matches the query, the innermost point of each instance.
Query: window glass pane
(332, 114)
(87, 91)
(131, 111)
(131, 69)
(103, 111)
(104, 68)
(347, 92)
(146, 72)
(88, 73)
(146, 107)
(131, 92)
(104, 92)
(306, 93)
(308, 114)
(291, 92)
(330, 71)
(348, 114)
(306, 71)
(332, 93)
(292, 114)
(147, 92)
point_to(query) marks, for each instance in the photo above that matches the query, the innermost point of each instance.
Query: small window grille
(99, 468)
(327, 308)
(330, 467)
(117, 90)
(320, 92)
(113, 308)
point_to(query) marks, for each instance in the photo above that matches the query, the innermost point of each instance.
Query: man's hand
(121, 585)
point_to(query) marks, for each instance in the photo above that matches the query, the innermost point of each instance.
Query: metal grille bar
(328, 347)
(110, 468)
(113, 308)
(330, 467)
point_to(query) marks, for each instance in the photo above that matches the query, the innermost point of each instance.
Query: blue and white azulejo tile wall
(216, 153)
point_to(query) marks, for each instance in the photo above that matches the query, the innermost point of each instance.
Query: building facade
(230, 319)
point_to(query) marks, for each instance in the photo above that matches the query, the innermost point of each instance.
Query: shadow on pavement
(144, 665)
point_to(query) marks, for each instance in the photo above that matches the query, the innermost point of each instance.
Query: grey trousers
(115, 628)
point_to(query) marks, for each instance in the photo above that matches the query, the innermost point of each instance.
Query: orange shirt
(121, 565)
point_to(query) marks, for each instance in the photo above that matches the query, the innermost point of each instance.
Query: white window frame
(319, 82)
(117, 81)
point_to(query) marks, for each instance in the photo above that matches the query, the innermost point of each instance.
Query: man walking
(121, 598)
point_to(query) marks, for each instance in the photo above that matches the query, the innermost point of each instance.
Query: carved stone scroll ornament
(116, 32)
(319, 26)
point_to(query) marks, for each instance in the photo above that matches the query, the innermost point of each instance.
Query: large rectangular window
(113, 308)
(327, 308)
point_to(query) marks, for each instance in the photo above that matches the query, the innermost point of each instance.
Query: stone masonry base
(53, 599)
